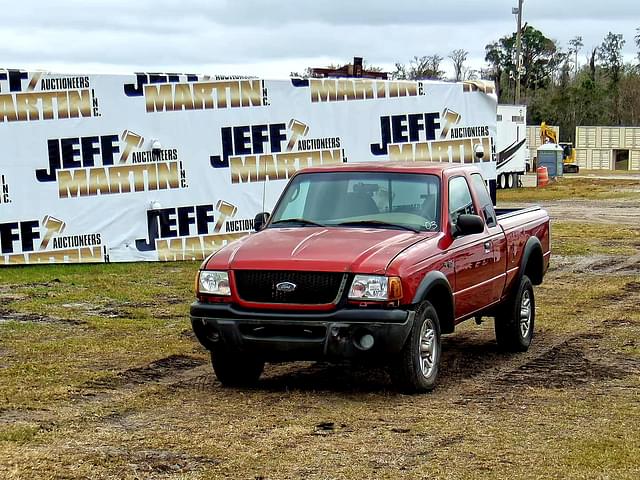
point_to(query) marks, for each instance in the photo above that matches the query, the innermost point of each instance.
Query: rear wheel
(415, 370)
(502, 181)
(511, 180)
(235, 369)
(515, 319)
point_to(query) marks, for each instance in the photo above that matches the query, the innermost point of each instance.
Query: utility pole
(518, 49)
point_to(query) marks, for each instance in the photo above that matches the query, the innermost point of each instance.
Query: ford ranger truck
(371, 263)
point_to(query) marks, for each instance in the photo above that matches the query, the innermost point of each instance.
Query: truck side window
(459, 199)
(485, 200)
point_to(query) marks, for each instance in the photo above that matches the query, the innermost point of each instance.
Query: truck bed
(519, 224)
(503, 213)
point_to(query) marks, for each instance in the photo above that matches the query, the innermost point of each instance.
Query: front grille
(312, 288)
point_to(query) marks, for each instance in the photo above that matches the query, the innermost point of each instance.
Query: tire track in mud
(561, 362)
(148, 463)
(113, 391)
(571, 364)
(155, 371)
(597, 264)
(9, 315)
(106, 402)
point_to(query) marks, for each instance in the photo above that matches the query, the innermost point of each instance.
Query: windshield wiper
(300, 221)
(375, 223)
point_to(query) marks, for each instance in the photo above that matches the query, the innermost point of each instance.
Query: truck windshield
(405, 201)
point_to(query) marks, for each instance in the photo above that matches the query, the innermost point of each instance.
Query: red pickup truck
(371, 262)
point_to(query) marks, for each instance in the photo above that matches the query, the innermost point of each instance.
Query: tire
(516, 318)
(236, 369)
(502, 181)
(511, 180)
(415, 369)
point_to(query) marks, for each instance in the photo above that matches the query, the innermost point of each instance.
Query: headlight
(214, 283)
(375, 287)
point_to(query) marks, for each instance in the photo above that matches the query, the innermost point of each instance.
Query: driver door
(472, 254)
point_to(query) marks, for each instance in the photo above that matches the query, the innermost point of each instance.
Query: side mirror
(469, 224)
(260, 221)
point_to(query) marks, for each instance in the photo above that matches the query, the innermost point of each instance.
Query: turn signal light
(395, 288)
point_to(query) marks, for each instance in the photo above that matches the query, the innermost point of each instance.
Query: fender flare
(437, 279)
(533, 246)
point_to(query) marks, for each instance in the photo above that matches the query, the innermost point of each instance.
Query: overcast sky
(271, 38)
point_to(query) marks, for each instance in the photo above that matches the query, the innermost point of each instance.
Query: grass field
(583, 187)
(100, 377)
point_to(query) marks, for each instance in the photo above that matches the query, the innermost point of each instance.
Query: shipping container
(608, 148)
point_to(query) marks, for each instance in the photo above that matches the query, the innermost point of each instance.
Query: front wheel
(416, 367)
(515, 319)
(235, 369)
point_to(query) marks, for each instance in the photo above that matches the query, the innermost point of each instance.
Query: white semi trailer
(512, 152)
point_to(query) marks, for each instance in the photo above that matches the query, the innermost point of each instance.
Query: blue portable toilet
(550, 156)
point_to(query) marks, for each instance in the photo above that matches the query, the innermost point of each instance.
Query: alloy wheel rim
(525, 314)
(428, 348)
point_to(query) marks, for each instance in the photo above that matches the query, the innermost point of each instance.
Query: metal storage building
(608, 148)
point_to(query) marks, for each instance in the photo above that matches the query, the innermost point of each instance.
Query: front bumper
(302, 336)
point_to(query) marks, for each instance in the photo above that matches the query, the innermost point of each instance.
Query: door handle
(487, 246)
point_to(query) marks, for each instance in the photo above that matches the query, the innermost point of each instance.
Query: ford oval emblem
(285, 287)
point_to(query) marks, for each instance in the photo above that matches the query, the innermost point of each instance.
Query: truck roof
(434, 168)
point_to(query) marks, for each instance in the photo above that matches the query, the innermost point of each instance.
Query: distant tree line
(557, 89)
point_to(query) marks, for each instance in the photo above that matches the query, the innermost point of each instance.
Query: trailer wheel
(415, 370)
(515, 320)
(502, 181)
(235, 369)
(511, 180)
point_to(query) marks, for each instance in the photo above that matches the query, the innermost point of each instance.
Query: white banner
(164, 167)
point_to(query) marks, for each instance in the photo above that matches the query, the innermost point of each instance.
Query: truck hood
(362, 250)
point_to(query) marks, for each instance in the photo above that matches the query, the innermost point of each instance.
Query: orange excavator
(548, 135)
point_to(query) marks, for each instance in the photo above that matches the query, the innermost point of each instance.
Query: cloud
(196, 35)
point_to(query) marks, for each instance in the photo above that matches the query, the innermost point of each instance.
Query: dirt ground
(568, 408)
(616, 212)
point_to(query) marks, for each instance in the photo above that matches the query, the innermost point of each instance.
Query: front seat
(428, 208)
(358, 204)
